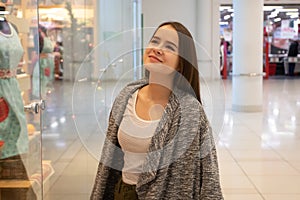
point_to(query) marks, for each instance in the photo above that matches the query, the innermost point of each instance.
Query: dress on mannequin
(43, 73)
(13, 130)
(13, 127)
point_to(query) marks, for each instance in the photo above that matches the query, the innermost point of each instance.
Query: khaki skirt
(124, 191)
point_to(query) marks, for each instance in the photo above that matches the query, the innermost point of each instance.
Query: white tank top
(134, 137)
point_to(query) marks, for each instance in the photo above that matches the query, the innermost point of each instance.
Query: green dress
(40, 81)
(13, 130)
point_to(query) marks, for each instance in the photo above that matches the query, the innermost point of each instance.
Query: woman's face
(162, 51)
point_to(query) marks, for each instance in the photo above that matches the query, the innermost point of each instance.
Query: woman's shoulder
(138, 83)
(128, 90)
(131, 87)
(187, 105)
(186, 99)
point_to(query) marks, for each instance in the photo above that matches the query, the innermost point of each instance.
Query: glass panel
(97, 45)
(20, 163)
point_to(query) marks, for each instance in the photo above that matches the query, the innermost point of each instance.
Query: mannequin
(4, 27)
(43, 72)
(13, 127)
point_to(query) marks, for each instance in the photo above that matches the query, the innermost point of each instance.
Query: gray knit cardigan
(181, 162)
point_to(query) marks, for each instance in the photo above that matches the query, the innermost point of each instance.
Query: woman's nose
(158, 51)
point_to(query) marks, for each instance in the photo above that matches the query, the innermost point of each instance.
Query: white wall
(208, 38)
(157, 11)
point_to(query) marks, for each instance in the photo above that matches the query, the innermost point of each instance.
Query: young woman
(159, 144)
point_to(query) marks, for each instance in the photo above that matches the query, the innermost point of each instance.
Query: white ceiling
(267, 1)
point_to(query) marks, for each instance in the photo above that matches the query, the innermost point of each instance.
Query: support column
(247, 56)
(98, 37)
(208, 38)
(97, 21)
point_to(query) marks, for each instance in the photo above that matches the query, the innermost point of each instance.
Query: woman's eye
(154, 41)
(169, 47)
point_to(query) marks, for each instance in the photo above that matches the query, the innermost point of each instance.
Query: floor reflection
(258, 152)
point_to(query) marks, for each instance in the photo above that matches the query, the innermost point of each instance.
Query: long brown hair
(187, 65)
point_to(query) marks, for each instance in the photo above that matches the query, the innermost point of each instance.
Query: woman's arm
(210, 184)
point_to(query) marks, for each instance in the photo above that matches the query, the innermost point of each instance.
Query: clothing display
(43, 72)
(13, 130)
(181, 162)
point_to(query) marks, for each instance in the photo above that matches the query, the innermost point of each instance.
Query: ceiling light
(292, 13)
(277, 19)
(287, 10)
(223, 23)
(224, 8)
(294, 16)
(272, 15)
(226, 17)
(269, 8)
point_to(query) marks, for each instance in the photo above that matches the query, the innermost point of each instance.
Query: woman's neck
(160, 86)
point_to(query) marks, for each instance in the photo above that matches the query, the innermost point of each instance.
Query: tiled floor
(258, 152)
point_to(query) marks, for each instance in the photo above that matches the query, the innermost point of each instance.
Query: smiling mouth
(154, 59)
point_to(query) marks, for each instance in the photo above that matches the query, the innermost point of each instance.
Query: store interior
(60, 20)
(281, 27)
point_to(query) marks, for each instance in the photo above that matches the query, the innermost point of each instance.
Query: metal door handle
(35, 107)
